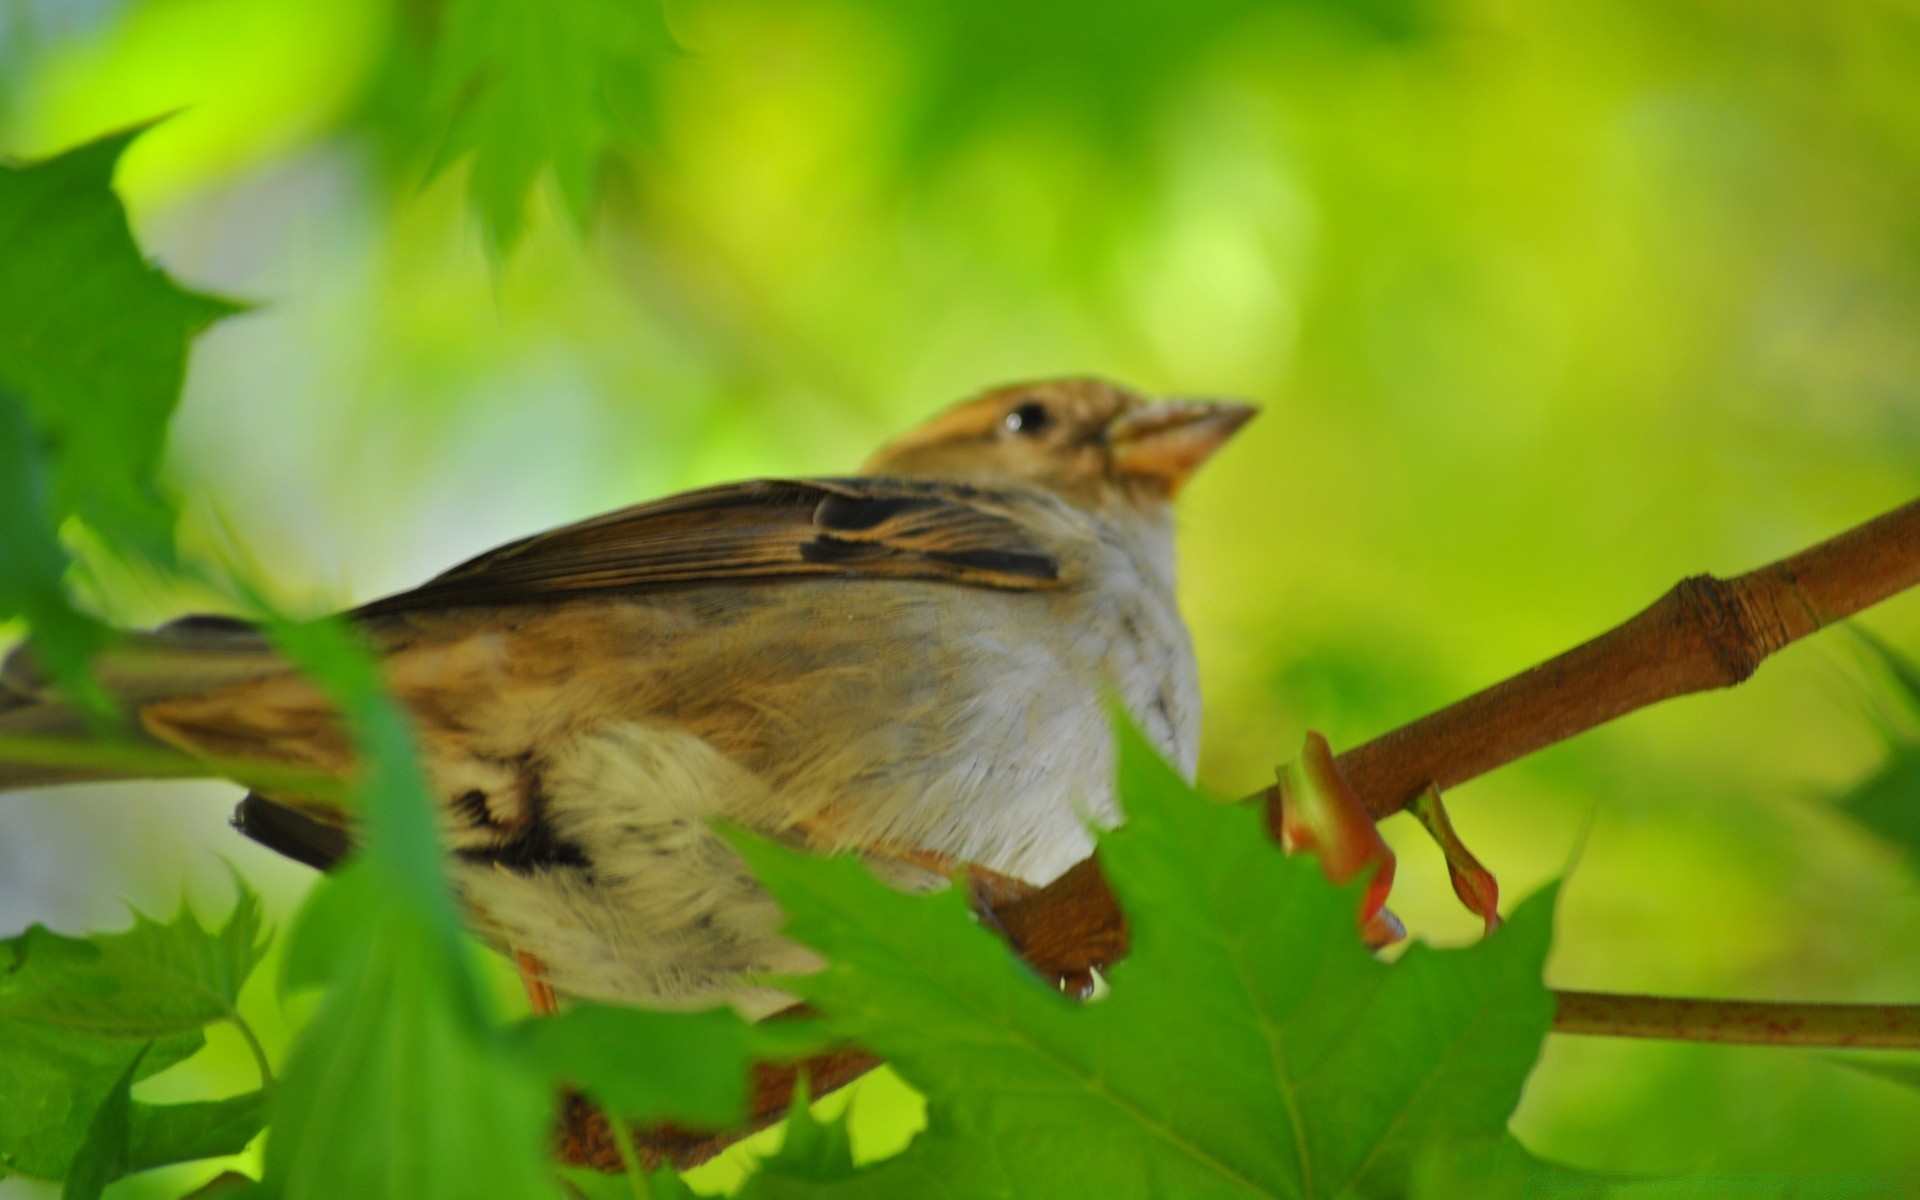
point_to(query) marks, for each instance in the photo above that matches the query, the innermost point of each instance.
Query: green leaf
(34, 561)
(163, 1134)
(663, 1184)
(811, 1149)
(77, 1013)
(1249, 1047)
(1107, 72)
(103, 1155)
(92, 354)
(395, 1088)
(154, 980)
(1888, 800)
(1902, 1071)
(525, 88)
(52, 1080)
(654, 1066)
(1489, 1169)
(401, 1084)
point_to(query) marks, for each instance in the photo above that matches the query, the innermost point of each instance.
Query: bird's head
(1092, 441)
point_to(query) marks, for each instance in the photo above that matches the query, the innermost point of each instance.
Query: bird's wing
(760, 530)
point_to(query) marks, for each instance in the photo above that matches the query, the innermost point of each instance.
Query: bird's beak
(1166, 441)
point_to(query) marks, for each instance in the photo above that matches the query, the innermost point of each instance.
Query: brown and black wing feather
(760, 530)
(764, 530)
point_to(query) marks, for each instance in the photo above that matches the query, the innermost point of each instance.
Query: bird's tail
(45, 739)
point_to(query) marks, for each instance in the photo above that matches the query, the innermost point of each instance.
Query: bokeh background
(1548, 304)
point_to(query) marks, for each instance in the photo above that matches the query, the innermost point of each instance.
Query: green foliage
(1887, 801)
(648, 1066)
(83, 1019)
(1905, 1073)
(155, 980)
(92, 354)
(401, 1084)
(1476, 259)
(811, 1150)
(1250, 1047)
(1111, 74)
(396, 1087)
(103, 1155)
(524, 88)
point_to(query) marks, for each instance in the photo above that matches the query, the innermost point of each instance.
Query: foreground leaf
(394, 1089)
(79, 1014)
(656, 1066)
(93, 350)
(402, 1084)
(103, 1155)
(1249, 1047)
(53, 1080)
(154, 980)
(164, 1134)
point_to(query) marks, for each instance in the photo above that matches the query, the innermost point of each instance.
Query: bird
(912, 664)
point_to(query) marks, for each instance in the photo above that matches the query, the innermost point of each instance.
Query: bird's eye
(1031, 419)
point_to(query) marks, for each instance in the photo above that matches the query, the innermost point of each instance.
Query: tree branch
(1749, 1022)
(1705, 633)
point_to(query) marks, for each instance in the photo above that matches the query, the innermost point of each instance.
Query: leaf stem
(253, 1043)
(1747, 1022)
(145, 762)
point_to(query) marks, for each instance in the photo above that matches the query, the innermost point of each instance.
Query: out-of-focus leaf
(93, 349)
(401, 1084)
(103, 1154)
(30, 581)
(652, 1066)
(1108, 72)
(1901, 1072)
(395, 1088)
(154, 980)
(811, 1149)
(525, 88)
(598, 1185)
(1249, 1047)
(1888, 800)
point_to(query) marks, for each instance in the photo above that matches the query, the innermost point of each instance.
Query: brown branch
(1705, 633)
(1750, 1022)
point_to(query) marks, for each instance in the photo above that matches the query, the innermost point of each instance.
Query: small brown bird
(909, 664)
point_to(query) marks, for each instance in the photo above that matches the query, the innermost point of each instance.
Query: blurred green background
(1549, 305)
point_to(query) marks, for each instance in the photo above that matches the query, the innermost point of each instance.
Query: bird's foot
(533, 976)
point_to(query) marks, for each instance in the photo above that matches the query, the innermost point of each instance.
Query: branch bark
(1705, 633)
(1747, 1022)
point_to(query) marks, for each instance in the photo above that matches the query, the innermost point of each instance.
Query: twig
(589, 1141)
(1749, 1022)
(1705, 633)
(134, 761)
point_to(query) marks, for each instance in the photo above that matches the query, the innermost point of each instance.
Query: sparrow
(912, 664)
